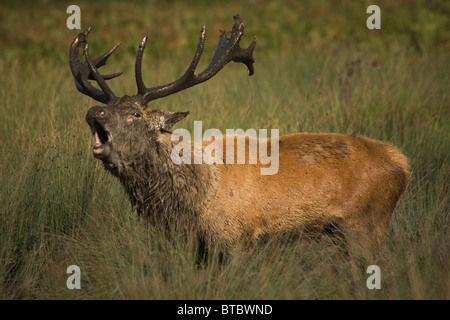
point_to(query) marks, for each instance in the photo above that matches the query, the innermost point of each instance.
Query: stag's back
(321, 178)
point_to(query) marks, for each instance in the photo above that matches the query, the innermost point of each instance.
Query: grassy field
(318, 69)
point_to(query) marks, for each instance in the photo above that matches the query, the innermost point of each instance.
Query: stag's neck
(159, 188)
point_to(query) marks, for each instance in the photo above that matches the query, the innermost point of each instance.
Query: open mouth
(102, 137)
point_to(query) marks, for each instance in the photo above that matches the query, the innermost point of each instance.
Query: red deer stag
(322, 179)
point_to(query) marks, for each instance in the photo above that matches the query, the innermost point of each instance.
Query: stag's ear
(168, 119)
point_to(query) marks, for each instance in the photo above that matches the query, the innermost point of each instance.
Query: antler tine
(138, 67)
(227, 50)
(201, 44)
(82, 72)
(101, 61)
(226, 45)
(149, 94)
(242, 55)
(97, 76)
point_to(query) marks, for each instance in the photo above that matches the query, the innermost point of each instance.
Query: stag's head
(124, 125)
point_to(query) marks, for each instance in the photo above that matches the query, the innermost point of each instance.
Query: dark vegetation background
(318, 69)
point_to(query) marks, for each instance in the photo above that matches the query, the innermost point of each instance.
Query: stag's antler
(227, 50)
(82, 71)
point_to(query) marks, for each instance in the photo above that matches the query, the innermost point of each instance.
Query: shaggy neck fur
(159, 189)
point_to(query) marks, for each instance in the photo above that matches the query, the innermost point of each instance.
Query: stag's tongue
(98, 142)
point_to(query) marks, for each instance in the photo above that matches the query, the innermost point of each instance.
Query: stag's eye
(133, 116)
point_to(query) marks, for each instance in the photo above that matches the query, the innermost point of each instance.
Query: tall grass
(318, 69)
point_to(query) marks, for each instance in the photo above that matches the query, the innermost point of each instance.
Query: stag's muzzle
(96, 119)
